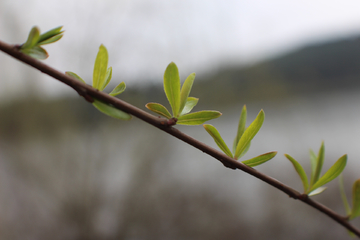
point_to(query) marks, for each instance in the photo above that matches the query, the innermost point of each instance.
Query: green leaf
(241, 128)
(245, 150)
(36, 52)
(189, 105)
(185, 91)
(218, 139)
(159, 109)
(111, 111)
(107, 78)
(300, 170)
(74, 75)
(51, 40)
(100, 68)
(317, 191)
(356, 199)
(118, 89)
(343, 195)
(331, 174)
(313, 160)
(259, 159)
(319, 164)
(32, 38)
(50, 36)
(172, 87)
(197, 118)
(249, 134)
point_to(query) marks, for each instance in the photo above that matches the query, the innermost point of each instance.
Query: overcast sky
(143, 36)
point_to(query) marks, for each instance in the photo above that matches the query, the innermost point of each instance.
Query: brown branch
(89, 93)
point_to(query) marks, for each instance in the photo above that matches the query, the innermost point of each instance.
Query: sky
(143, 36)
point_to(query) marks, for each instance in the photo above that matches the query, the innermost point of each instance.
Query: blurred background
(69, 172)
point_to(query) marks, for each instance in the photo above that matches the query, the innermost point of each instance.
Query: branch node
(171, 121)
(303, 196)
(82, 92)
(17, 46)
(228, 165)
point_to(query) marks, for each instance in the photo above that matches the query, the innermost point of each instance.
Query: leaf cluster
(180, 102)
(101, 78)
(242, 140)
(35, 40)
(316, 182)
(355, 210)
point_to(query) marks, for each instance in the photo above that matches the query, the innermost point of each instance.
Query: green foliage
(180, 102)
(248, 134)
(300, 170)
(214, 133)
(242, 140)
(100, 68)
(118, 89)
(319, 161)
(331, 174)
(259, 159)
(197, 118)
(241, 127)
(343, 195)
(316, 182)
(101, 78)
(32, 46)
(355, 210)
(172, 87)
(159, 109)
(110, 111)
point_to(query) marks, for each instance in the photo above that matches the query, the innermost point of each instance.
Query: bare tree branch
(89, 93)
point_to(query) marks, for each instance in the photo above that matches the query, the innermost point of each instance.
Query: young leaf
(343, 195)
(74, 75)
(317, 191)
(259, 159)
(118, 89)
(185, 91)
(32, 38)
(197, 118)
(51, 40)
(111, 111)
(172, 87)
(218, 139)
(36, 52)
(331, 174)
(356, 200)
(100, 68)
(241, 128)
(189, 105)
(50, 36)
(313, 160)
(159, 109)
(249, 134)
(300, 170)
(245, 150)
(319, 164)
(107, 78)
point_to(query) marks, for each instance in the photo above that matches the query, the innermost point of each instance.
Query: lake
(128, 180)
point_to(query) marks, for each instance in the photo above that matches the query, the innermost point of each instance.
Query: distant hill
(327, 66)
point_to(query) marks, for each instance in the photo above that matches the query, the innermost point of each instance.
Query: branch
(89, 93)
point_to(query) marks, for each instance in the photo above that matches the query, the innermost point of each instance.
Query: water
(130, 180)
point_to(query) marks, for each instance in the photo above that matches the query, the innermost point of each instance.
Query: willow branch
(89, 93)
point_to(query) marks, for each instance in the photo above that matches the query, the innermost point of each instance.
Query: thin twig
(89, 93)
